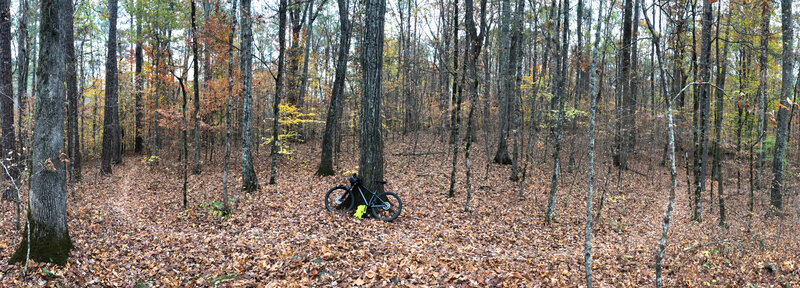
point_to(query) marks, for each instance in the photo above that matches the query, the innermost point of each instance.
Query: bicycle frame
(361, 189)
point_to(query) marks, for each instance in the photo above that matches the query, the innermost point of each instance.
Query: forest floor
(129, 229)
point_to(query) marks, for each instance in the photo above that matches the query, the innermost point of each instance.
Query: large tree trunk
(73, 136)
(624, 93)
(249, 181)
(278, 90)
(196, 168)
(505, 87)
(23, 61)
(787, 64)
(111, 139)
(334, 108)
(7, 98)
(47, 237)
(370, 142)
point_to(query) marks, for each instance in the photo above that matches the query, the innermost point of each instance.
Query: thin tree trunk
(662, 243)
(334, 108)
(249, 180)
(787, 65)
(587, 250)
(195, 58)
(278, 90)
(228, 110)
(138, 144)
(561, 94)
(719, 105)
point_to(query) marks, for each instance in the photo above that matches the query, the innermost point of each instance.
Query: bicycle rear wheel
(387, 206)
(336, 200)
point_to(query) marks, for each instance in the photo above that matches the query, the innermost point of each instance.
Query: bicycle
(385, 206)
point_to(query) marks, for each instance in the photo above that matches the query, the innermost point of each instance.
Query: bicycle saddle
(381, 182)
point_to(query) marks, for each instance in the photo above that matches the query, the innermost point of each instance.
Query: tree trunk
(73, 136)
(624, 92)
(787, 64)
(334, 108)
(138, 145)
(110, 133)
(718, 115)
(370, 142)
(701, 156)
(7, 99)
(474, 46)
(561, 94)
(47, 236)
(587, 250)
(515, 106)
(505, 85)
(278, 90)
(23, 61)
(662, 244)
(228, 111)
(197, 167)
(249, 181)
(762, 89)
(455, 95)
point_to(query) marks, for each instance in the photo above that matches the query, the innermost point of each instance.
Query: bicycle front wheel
(387, 206)
(336, 200)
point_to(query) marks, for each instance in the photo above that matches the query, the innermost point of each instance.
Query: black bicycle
(385, 206)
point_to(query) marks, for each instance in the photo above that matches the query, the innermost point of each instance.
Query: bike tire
(335, 198)
(390, 211)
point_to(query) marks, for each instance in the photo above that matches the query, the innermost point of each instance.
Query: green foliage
(151, 161)
(216, 207)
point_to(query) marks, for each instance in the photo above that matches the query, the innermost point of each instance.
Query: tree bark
(505, 85)
(593, 71)
(7, 99)
(278, 90)
(228, 111)
(197, 167)
(561, 94)
(787, 64)
(73, 135)
(47, 236)
(110, 133)
(334, 108)
(515, 106)
(249, 180)
(662, 243)
(23, 61)
(138, 145)
(718, 115)
(624, 92)
(701, 157)
(370, 142)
